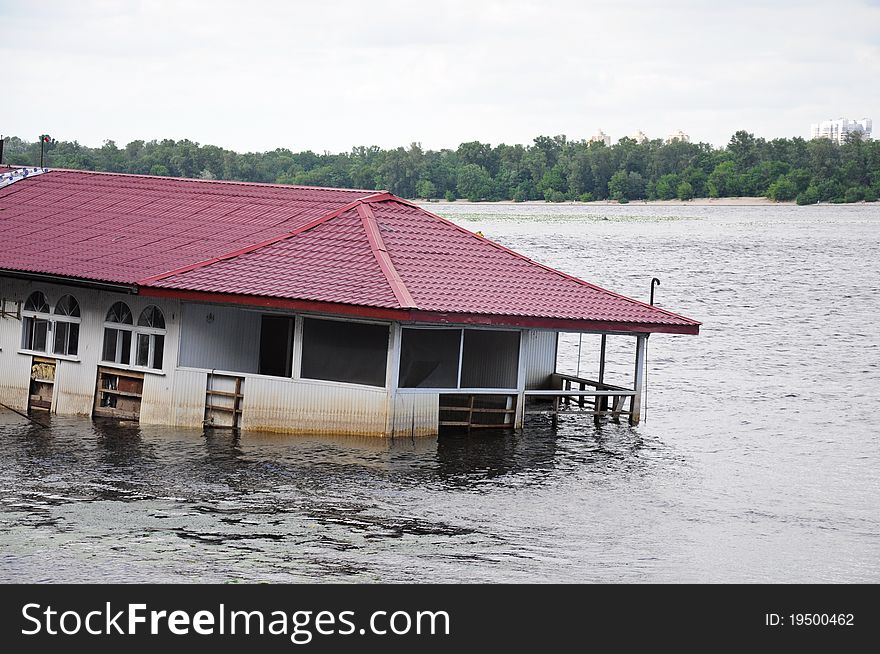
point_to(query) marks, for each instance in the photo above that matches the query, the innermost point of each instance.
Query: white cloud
(330, 75)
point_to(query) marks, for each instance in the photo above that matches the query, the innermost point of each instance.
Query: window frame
(152, 334)
(299, 347)
(458, 388)
(67, 319)
(119, 328)
(33, 318)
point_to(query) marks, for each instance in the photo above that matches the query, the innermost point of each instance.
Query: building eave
(422, 317)
(69, 281)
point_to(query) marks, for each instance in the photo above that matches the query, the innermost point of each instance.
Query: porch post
(601, 403)
(639, 383)
(525, 337)
(393, 377)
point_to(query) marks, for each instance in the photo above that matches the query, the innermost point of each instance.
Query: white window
(35, 323)
(150, 341)
(66, 326)
(118, 329)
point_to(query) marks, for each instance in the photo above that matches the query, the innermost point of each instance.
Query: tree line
(551, 168)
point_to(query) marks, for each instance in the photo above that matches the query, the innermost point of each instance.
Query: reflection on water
(758, 460)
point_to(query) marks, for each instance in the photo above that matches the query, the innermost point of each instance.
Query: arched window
(66, 339)
(117, 334)
(150, 338)
(35, 323)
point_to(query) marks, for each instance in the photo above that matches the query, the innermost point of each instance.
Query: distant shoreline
(696, 202)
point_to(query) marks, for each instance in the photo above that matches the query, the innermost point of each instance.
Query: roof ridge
(256, 246)
(377, 245)
(536, 263)
(231, 182)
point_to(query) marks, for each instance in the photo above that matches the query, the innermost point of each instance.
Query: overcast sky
(330, 74)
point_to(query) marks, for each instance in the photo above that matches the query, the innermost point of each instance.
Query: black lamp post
(44, 139)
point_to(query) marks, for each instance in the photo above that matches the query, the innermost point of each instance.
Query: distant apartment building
(837, 130)
(678, 135)
(600, 137)
(639, 136)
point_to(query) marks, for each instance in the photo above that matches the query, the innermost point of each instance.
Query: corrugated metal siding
(416, 415)
(74, 388)
(15, 380)
(188, 408)
(15, 369)
(313, 408)
(540, 357)
(231, 341)
(75, 380)
(157, 399)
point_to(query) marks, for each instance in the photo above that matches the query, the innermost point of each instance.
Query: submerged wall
(203, 341)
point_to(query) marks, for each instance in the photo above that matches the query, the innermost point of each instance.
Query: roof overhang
(422, 317)
(69, 281)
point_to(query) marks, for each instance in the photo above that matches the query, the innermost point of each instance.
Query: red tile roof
(339, 250)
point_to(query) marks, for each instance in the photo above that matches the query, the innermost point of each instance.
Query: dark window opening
(66, 338)
(117, 346)
(351, 352)
(490, 359)
(158, 350)
(149, 345)
(142, 358)
(35, 334)
(276, 346)
(35, 328)
(429, 358)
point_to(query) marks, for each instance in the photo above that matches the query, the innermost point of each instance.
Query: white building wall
(75, 377)
(188, 393)
(415, 415)
(313, 407)
(218, 337)
(540, 357)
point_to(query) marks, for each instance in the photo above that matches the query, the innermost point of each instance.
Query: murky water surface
(759, 459)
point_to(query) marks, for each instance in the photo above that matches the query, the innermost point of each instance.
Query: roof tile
(287, 242)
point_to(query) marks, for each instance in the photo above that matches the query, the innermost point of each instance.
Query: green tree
(474, 182)
(636, 186)
(617, 186)
(723, 181)
(684, 191)
(782, 190)
(743, 149)
(854, 194)
(667, 187)
(808, 196)
(426, 189)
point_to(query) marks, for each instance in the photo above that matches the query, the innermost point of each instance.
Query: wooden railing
(602, 398)
(469, 413)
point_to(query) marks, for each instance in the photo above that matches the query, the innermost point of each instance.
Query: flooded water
(759, 459)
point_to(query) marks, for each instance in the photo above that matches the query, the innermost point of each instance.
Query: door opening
(276, 346)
